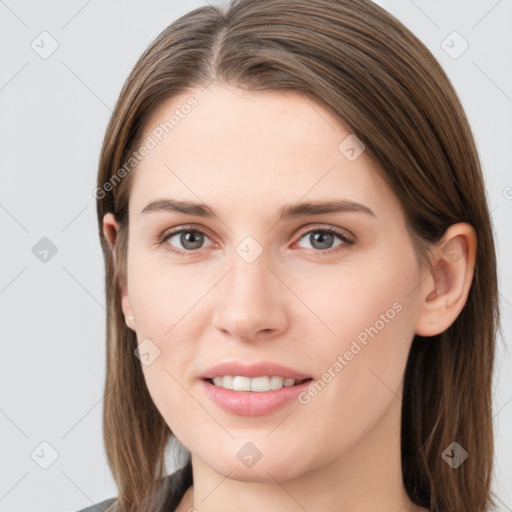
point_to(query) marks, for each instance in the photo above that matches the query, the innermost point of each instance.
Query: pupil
(192, 237)
(322, 238)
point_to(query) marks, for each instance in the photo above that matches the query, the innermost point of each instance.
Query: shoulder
(173, 486)
(103, 506)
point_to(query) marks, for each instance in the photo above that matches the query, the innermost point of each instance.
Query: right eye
(190, 238)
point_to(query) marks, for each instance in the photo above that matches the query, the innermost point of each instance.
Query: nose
(253, 303)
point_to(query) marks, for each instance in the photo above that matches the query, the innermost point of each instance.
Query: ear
(445, 290)
(111, 230)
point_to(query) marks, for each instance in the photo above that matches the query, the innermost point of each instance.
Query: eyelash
(167, 234)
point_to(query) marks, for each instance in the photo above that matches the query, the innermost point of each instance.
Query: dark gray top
(175, 486)
(102, 506)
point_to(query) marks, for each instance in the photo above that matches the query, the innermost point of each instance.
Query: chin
(278, 466)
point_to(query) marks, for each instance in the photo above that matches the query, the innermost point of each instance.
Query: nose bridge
(249, 274)
(251, 300)
(249, 284)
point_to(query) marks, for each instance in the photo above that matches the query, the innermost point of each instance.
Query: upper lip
(260, 369)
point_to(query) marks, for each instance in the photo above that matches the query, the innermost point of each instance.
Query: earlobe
(446, 289)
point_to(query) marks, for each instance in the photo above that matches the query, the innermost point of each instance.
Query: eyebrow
(288, 211)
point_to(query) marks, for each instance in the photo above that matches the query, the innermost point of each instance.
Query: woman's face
(252, 285)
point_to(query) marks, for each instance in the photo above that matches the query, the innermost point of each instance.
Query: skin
(247, 154)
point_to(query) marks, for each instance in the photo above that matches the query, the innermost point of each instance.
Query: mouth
(253, 396)
(260, 384)
(253, 388)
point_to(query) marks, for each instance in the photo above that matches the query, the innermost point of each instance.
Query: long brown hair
(358, 61)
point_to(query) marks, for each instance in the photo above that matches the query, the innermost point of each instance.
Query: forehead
(241, 148)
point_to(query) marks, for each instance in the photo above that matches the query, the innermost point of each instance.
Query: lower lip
(252, 403)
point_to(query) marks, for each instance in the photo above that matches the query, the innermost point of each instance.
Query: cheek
(164, 297)
(170, 319)
(373, 300)
(360, 367)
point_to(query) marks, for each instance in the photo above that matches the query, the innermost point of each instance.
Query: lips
(247, 389)
(261, 369)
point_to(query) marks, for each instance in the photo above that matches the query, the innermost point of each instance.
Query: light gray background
(54, 112)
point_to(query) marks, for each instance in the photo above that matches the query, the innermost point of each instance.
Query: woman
(300, 269)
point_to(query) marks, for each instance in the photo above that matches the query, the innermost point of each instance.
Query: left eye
(192, 239)
(321, 239)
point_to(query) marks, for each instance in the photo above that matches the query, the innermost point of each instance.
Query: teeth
(241, 383)
(258, 384)
(228, 382)
(276, 382)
